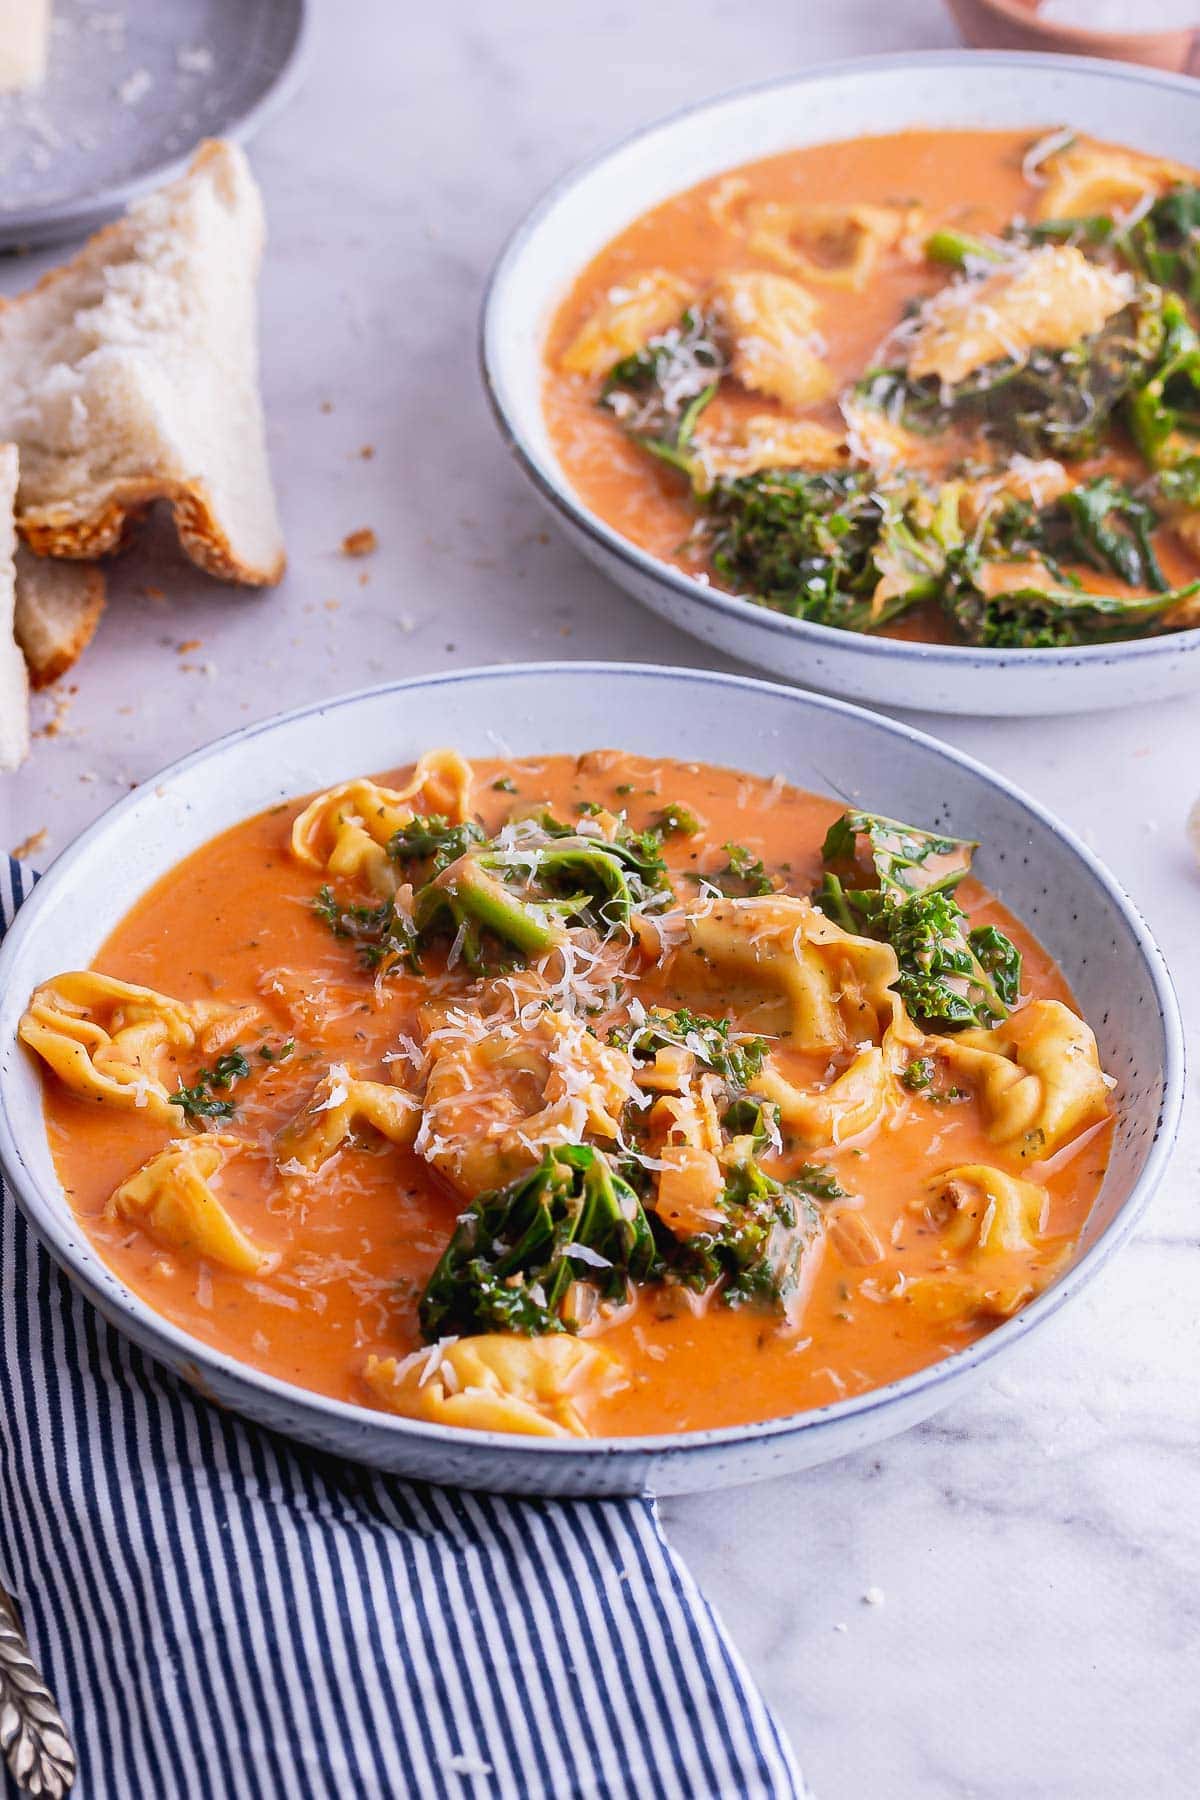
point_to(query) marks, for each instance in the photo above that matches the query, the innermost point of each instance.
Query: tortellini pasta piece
(497, 1382)
(497, 1097)
(776, 348)
(990, 1228)
(766, 441)
(1049, 299)
(978, 1210)
(840, 246)
(341, 1106)
(803, 979)
(854, 1101)
(625, 321)
(346, 830)
(171, 1199)
(1082, 179)
(798, 975)
(1038, 1077)
(107, 1040)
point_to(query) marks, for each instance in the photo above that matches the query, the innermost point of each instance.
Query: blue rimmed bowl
(1028, 859)
(1142, 108)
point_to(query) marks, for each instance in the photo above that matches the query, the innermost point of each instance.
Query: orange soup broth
(971, 180)
(357, 1242)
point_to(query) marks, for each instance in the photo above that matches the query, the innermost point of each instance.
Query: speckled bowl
(1031, 861)
(1140, 107)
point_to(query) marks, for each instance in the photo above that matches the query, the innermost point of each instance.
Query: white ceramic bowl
(1139, 107)
(1036, 867)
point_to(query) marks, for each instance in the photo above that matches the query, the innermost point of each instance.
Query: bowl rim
(48, 1212)
(735, 608)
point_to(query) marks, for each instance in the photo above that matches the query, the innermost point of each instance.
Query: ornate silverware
(33, 1738)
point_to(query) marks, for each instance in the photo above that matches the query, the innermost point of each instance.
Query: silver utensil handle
(33, 1738)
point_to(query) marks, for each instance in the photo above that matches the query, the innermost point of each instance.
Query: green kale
(383, 936)
(843, 548)
(515, 1253)
(523, 888)
(1048, 402)
(1164, 410)
(658, 394)
(756, 1256)
(742, 875)
(1164, 244)
(677, 821)
(1100, 524)
(904, 859)
(950, 974)
(737, 1058)
(1031, 618)
(198, 1101)
(433, 842)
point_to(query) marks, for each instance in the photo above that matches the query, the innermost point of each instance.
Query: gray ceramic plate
(1033, 863)
(130, 89)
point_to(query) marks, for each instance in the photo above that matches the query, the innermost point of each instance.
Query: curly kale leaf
(950, 974)
(200, 1101)
(659, 393)
(383, 936)
(904, 859)
(757, 1255)
(516, 1252)
(736, 1057)
(433, 842)
(1048, 402)
(523, 888)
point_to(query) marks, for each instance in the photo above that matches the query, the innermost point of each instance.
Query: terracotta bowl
(1015, 25)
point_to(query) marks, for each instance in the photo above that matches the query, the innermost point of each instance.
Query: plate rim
(734, 607)
(139, 1320)
(57, 220)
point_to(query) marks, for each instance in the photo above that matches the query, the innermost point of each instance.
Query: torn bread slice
(14, 688)
(57, 612)
(131, 375)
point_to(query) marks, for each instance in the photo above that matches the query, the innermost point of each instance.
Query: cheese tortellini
(1049, 299)
(776, 348)
(114, 1042)
(793, 973)
(839, 246)
(346, 830)
(1038, 1077)
(497, 1097)
(1085, 179)
(172, 1200)
(990, 1227)
(340, 1108)
(804, 980)
(627, 318)
(496, 1382)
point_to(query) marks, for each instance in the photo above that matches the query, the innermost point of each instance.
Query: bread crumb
(364, 579)
(874, 1596)
(154, 593)
(360, 543)
(367, 452)
(188, 645)
(327, 406)
(31, 845)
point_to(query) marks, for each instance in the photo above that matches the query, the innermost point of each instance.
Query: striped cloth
(220, 1613)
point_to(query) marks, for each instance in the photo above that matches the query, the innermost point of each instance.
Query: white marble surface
(1038, 1548)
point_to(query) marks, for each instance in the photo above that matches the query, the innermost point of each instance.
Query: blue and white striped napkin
(222, 1614)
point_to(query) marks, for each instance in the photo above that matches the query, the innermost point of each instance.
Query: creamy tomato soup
(928, 384)
(542, 1095)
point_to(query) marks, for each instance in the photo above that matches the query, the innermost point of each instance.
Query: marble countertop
(1038, 1547)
